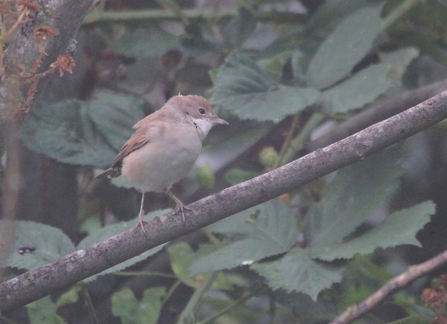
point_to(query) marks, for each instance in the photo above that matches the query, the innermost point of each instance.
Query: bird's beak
(218, 121)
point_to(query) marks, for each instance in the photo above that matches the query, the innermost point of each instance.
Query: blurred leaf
(398, 62)
(182, 256)
(344, 48)
(268, 229)
(49, 244)
(351, 197)
(130, 310)
(235, 176)
(146, 42)
(111, 230)
(43, 311)
(274, 66)
(239, 28)
(297, 272)
(205, 177)
(69, 297)
(83, 132)
(414, 319)
(243, 88)
(399, 228)
(363, 88)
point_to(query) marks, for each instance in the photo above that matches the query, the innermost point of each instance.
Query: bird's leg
(141, 220)
(179, 205)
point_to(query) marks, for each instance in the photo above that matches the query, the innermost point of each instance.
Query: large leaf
(344, 48)
(239, 28)
(83, 132)
(146, 42)
(399, 228)
(271, 231)
(111, 230)
(130, 310)
(182, 256)
(352, 196)
(297, 272)
(43, 311)
(243, 88)
(40, 244)
(361, 89)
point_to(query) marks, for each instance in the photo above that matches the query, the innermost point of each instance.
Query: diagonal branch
(391, 286)
(81, 264)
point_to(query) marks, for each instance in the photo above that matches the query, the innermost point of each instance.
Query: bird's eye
(202, 111)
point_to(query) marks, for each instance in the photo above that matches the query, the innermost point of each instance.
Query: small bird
(164, 147)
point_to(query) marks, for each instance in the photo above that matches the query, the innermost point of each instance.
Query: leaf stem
(212, 15)
(298, 142)
(88, 301)
(236, 303)
(144, 273)
(398, 12)
(193, 303)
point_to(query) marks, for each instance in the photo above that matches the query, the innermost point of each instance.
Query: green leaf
(268, 229)
(399, 228)
(352, 196)
(239, 28)
(205, 177)
(83, 132)
(274, 66)
(235, 176)
(297, 272)
(182, 256)
(69, 297)
(43, 311)
(111, 230)
(146, 42)
(363, 88)
(49, 244)
(243, 88)
(398, 61)
(344, 48)
(132, 311)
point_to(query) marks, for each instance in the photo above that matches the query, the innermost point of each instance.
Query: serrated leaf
(146, 42)
(274, 66)
(352, 196)
(49, 244)
(130, 310)
(43, 311)
(111, 230)
(399, 228)
(182, 256)
(83, 132)
(297, 272)
(344, 48)
(243, 88)
(271, 231)
(363, 88)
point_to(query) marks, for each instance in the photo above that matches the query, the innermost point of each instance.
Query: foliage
(267, 70)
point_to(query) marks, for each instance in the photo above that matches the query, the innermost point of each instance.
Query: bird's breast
(168, 157)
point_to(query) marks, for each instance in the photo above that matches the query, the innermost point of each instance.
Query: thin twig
(402, 280)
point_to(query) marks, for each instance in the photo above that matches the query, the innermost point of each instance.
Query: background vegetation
(283, 73)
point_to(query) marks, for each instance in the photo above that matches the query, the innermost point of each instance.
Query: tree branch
(377, 112)
(402, 280)
(81, 264)
(62, 16)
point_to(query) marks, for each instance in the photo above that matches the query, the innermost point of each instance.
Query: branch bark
(391, 286)
(65, 18)
(81, 264)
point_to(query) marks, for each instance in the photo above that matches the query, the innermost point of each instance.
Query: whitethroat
(164, 147)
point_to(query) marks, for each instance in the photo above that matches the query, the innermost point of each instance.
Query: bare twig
(391, 286)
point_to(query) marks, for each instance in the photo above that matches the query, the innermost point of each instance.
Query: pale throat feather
(203, 126)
